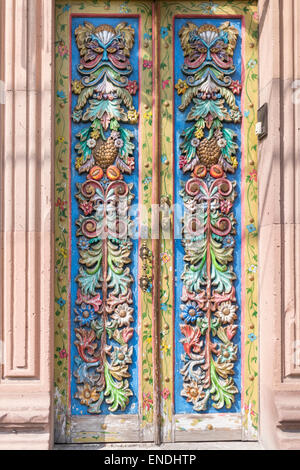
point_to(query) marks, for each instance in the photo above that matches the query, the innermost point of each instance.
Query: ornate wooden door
(156, 221)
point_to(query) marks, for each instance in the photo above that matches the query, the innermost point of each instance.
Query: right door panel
(212, 51)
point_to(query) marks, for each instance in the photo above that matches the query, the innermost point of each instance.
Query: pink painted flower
(63, 354)
(165, 393)
(231, 331)
(236, 87)
(127, 334)
(132, 87)
(95, 301)
(225, 206)
(253, 176)
(165, 258)
(62, 49)
(87, 207)
(61, 204)
(255, 16)
(165, 83)
(147, 64)
(147, 401)
(182, 161)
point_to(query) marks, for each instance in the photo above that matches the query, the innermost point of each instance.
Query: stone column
(279, 237)
(26, 184)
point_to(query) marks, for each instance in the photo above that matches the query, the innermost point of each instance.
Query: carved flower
(231, 331)
(190, 312)
(115, 135)
(195, 142)
(123, 315)
(234, 162)
(83, 243)
(222, 143)
(95, 134)
(226, 312)
(86, 394)
(87, 207)
(122, 355)
(77, 87)
(133, 116)
(181, 86)
(132, 87)
(182, 161)
(192, 391)
(199, 133)
(85, 314)
(91, 143)
(225, 206)
(78, 163)
(227, 353)
(228, 241)
(119, 143)
(236, 87)
(127, 334)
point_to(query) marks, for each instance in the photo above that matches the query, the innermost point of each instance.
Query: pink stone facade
(26, 224)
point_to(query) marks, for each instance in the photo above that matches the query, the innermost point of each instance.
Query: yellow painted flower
(95, 135)
(77, 87)
(234, 162)
(149, 340)
(148, 115)
(78, 163)
(61, 140)
(199, 133)
(164, 348)
(181, 86)
(87, 395)
(133, 116)
(64, 252)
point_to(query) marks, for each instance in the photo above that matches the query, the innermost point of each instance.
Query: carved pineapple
(208, 152)
(105, 153)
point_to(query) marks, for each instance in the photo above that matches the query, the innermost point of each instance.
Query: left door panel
(103, 154)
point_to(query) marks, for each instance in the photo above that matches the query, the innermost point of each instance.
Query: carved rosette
(104, 313)
(208, 154)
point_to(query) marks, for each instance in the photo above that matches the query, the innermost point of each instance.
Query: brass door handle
(145, 257)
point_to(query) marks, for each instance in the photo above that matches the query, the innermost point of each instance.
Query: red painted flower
(253, 176)
(236, 87)
(165, 393)
(132, 87)
(147, 64)
(225, 206)
(62, 49)
(61, 204)
(182, 161)
(87, 207)
(63, 354)
(165, 83)
(147, 401)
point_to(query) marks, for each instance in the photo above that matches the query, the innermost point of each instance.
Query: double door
(156, 221)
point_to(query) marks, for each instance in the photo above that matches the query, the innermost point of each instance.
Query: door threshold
(166, 446)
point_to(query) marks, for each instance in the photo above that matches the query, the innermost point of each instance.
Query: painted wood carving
(104, 312)
(208, 154)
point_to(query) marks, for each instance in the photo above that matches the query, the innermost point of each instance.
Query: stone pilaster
(279, 236)
(26, 185)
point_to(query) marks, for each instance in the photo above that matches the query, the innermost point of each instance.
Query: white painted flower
(123, 315)
(115, 135)
(91, 143)
(226, 312)
(252, 269)
(222, 143)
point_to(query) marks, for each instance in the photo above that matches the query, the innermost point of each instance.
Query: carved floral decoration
(208, 154)
(104, 311)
